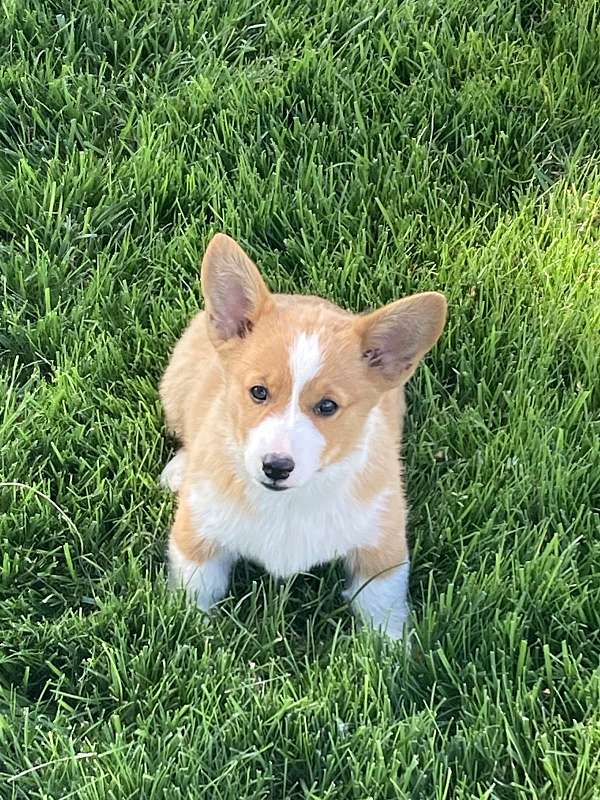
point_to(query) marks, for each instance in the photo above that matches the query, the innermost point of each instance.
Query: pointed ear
(234, 292)
(395, 338)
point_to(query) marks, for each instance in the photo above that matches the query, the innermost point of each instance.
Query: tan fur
(392, 548)
(185, 536)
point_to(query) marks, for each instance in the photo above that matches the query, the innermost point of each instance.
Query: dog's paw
(382, 602)
(172, 475)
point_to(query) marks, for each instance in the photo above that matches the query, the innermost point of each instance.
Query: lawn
(361, 151)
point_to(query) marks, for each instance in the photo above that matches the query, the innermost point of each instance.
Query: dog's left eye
(259, 393)
(325, 407)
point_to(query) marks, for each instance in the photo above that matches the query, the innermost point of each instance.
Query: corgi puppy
(289, 412)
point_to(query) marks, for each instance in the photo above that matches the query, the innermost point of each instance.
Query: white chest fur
(288, 532)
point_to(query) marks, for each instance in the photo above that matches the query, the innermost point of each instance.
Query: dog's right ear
(396, 337)
(234, 293)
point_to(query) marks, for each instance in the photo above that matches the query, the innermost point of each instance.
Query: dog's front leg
(378, 584)
(200, 567)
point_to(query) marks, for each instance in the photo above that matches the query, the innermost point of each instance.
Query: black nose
(277, 467)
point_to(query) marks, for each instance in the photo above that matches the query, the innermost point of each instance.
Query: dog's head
(303, 375)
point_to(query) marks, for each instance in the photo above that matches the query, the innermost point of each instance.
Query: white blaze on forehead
(305, 361)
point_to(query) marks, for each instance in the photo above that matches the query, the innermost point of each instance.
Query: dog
(289, 412)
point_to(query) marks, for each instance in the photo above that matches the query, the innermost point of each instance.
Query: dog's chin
(274, 487)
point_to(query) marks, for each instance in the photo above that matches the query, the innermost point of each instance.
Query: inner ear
(234, 292)
(397, 336)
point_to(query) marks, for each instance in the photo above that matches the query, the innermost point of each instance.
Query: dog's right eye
(259, 393)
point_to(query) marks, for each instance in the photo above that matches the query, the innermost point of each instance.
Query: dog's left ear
(396, 337)
(234, 293)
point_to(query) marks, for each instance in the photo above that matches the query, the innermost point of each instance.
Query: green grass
(361, 151)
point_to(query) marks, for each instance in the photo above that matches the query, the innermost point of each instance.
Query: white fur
(305, 361)
(205, 583)
(292, 531)
(382, 601)
(173, 474)
(291, 433)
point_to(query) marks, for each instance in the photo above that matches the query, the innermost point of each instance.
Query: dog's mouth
(274, 487)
